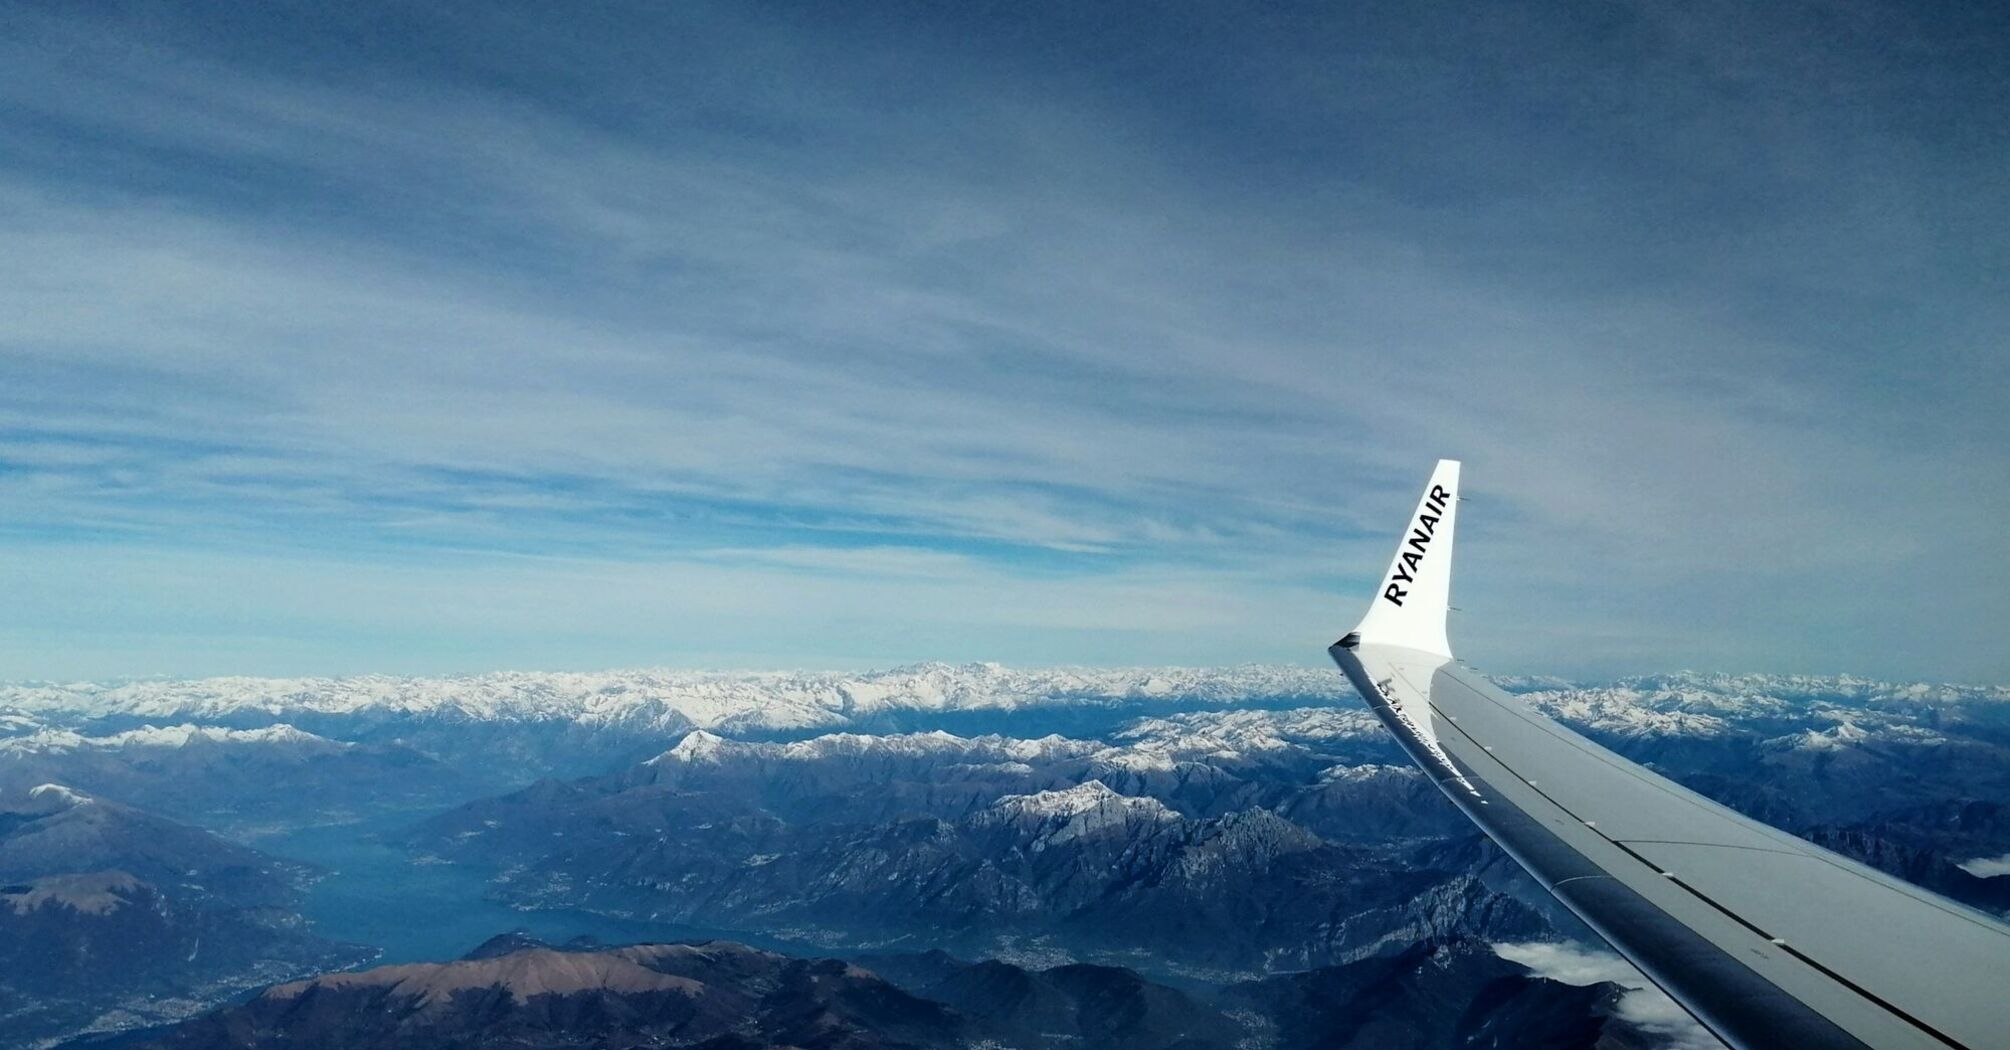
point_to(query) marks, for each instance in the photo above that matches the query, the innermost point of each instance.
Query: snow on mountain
(1784, 713)
(1234, 733)
(672, 700)
(698, 746)
(1899, 732)
(1145, 745)
(1838, 738)
(702, 747)
(1691, 704)
(1630, 714)
(61, 740)
(1090, 796)
(1833, 688)
(1369, 772)
(45, 741)
(668, 704)
(1055, 818)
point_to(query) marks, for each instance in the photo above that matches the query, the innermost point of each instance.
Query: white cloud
(1008, 314)
(1987, 867)
(1642, 1004)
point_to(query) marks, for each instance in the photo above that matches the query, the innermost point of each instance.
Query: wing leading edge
(1767, 939)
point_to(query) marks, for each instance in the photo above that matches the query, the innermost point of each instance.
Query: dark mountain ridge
(517, 993)
(112, 917)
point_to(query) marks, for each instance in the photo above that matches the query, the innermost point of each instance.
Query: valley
(1245, 844)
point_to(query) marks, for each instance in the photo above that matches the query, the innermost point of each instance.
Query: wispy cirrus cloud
(1047, 304)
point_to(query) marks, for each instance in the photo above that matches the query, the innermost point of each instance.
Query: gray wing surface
(1766, 938)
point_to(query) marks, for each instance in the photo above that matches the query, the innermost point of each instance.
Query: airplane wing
(1768, 940)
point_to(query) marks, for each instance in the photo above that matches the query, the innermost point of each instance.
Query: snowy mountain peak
(696, 747)
(1843, 735)
(1367, 772)
(1086, 797)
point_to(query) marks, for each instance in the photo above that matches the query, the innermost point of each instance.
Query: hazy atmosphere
(819, 526)
(429, 338)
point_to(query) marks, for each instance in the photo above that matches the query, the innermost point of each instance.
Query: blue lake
(375, 894)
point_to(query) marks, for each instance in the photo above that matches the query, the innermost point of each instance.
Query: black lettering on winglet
(1438, 493)
(1394, 594)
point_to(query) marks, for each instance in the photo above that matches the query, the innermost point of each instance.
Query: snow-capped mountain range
(1216, 862)
(506, 728)
(222, 776)
(1204, 821)
(726, 702)
(1693, 704)
(1147, 744)
(769, 701)
(175, 736)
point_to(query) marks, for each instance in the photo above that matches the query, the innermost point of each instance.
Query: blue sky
(422, 338)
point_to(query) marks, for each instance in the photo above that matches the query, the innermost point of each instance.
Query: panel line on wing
(1781, 944)
(1797, 854)
(1792, 845)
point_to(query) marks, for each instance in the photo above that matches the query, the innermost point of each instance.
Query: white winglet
(1410, 605)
